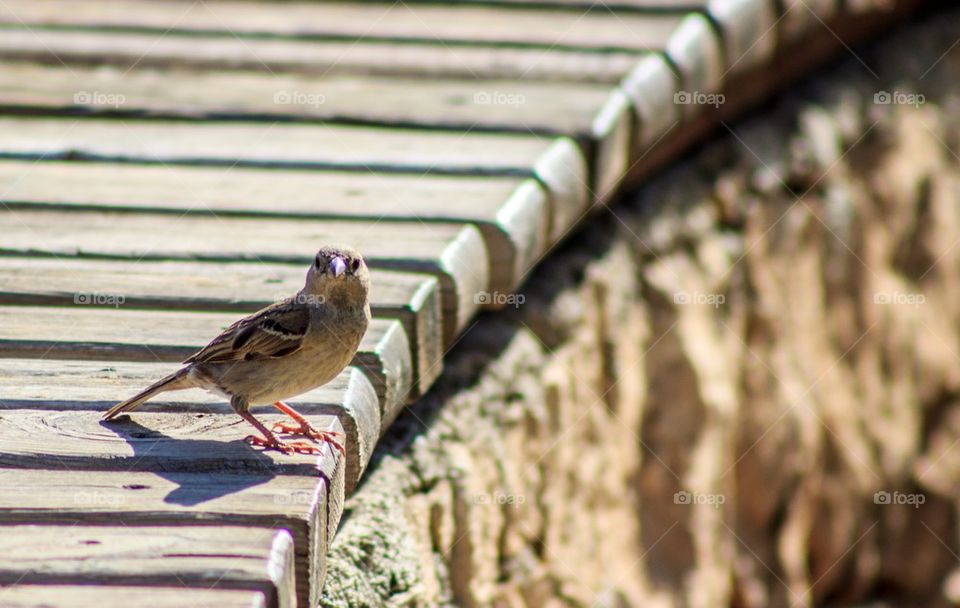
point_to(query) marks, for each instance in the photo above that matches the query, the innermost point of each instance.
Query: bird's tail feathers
(174, 382)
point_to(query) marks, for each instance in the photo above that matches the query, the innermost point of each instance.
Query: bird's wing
(275, 331)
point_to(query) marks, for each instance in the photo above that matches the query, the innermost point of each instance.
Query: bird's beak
(337, 266)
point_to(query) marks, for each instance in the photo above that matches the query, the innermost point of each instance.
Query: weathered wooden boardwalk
(168, 166)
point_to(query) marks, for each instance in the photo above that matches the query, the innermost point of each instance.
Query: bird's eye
(355, 265)
(316, 262)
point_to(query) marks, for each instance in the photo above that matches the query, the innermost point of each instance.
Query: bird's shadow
(196, 466)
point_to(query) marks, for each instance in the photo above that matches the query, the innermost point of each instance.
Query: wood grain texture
(362, 57)
(223, 557)
(462, 24)
(306, 506)
(48, 385)
(454, 254)
(124, 596)
(171, 336)
(555, 162)
(410, 298)
(512, 214)
(183, 430)
(276, 145)
(511, 106)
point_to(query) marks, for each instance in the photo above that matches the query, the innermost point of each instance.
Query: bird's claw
(298, 447)
(302, 447)
(306, 430)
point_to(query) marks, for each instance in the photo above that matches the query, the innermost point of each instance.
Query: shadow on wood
(188, 492)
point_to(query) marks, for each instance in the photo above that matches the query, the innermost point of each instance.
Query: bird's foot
(305, 429)
(298, 447)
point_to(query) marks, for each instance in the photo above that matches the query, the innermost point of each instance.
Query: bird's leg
(270, 441)
(304, 428)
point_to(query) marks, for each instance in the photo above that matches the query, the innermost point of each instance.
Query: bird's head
(339, 275)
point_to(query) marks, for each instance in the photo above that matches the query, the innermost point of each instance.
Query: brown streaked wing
(275, 331)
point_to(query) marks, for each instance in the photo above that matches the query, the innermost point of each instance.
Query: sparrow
(281, 351)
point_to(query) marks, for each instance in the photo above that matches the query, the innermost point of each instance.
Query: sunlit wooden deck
(168, 166)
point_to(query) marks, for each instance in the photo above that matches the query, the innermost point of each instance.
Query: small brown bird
(283, 350)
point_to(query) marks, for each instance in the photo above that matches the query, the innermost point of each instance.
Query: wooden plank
(564, 173)
(53, 384)
(388, 364)
(799, 15)
(172, 336)
(460, 105)
(612, 134)
(412, 299)
(228, 557)
(749, 29)
(41, 429)
(452, 24)
(84, 596)
(512, 214)
(178, 431)
(455, 254)
(651, 86)
(556, 163)
(540, 108)
(365, 57)
(795, 58)
(296, 503)
(695, 48)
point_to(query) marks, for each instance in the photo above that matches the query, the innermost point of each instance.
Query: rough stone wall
(739, 388)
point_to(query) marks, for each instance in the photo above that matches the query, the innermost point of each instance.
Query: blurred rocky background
(739, 387)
